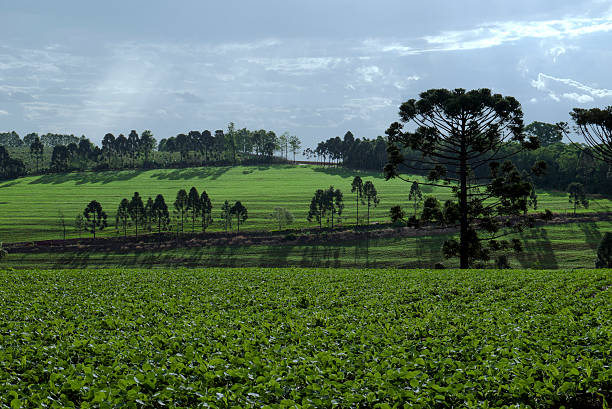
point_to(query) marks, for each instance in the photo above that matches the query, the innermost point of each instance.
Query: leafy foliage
(305, 338)
(577, 195)
(95, 217)
(604, 252)
(458, 133)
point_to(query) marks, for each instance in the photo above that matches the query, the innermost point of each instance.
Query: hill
(29, 206)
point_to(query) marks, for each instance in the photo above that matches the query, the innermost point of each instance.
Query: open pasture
(29, 206)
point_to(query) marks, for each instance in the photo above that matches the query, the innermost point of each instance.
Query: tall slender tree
(226, 215)
(122, 218)
(206, 210)
(133, 144)
(335, 203)
(371, 196)
(193, 206)
(577, 195)
(136, 211)
(318, 207)
(161, 216)
(357, 188)
(180, 208)
(36, 151)
(95, 218)
(295, 144)
(415, 195)
(148, 214)
(240, 212)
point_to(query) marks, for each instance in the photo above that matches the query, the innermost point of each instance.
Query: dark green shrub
(604, 252)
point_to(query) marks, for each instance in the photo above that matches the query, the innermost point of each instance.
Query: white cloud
(581, 98)
(364, 107)
(552, 86)
(368, 74)
(495, 34)
(3, 112)
(297, 66)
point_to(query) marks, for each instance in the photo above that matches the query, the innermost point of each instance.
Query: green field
(551, 247)
(293, 338)
(29, 206)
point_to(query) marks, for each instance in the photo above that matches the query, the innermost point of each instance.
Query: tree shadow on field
(275, 256)
(428, 250)
(192, 173)
(80, 178)
(9, 184)
(321, 256)
(348, 173)
(592, 234)
(538, 251)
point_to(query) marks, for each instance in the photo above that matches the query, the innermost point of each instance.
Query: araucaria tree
(136, 211)
(595, 126)
(95, 218)
(357, 188)
(371, 196)
(240, 212)
(122, 218)
(459, 134)
(577, 196)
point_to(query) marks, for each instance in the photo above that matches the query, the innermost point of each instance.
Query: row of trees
(12, 139)
(327, 204)
(189, 208)
(351, 152)
(10, 167)
(136, 150)
(231, 144)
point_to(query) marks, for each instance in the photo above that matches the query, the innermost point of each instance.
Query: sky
(315, 69)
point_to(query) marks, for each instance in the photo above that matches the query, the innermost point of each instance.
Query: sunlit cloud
(552, 86)
(494, 34)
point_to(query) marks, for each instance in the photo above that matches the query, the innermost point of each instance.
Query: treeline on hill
(54, 153)
(565, 163)
(190, 209)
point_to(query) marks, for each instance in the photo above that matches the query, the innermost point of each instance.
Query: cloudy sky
(314, 68)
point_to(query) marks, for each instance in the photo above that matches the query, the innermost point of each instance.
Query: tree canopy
(458, 132)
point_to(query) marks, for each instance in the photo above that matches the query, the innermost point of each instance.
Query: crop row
(305, 338)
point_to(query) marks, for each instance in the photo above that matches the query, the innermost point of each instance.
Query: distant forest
(56, 153)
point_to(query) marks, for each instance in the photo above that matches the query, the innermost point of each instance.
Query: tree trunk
(463, 205)
(357, 208)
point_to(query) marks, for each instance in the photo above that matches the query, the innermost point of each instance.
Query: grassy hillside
(29, 206)
(238, 338)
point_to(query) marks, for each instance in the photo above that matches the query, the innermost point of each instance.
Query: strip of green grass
(553, 247)
(29, 206)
